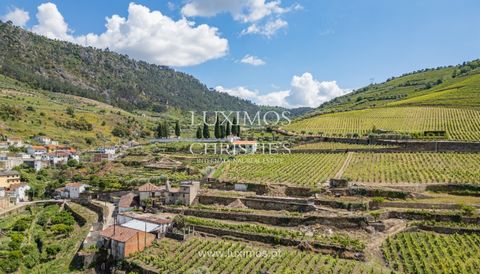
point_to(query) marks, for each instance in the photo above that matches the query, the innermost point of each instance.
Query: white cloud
(262, 15)
(146, 35)
(51, 23)
(240, 92)
(268, 29)
(308, 92)
(252, 60)
(305, 92)
(18, 17)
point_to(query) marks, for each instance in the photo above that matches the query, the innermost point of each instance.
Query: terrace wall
(264, 203)
(287, 221)
(270, 239)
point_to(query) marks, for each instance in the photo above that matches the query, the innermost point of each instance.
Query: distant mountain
(105, 76)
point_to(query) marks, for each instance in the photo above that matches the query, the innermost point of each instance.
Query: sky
(288, 53)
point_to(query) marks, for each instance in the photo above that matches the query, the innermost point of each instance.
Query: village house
(36, 164)
(36, 150)
(72, 190)
(15, 142)
(18, 192)
(8, 163)
(104, 154)
(4, 145)
(126, 202)
(244, 147)
(145, 222)
(184, 195)
(150, 190)
(123, 241)
(2, 192)
(8, 178)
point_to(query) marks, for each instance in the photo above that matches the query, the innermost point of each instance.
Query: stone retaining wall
(449, 230)
(263, 203)
(270, 239)
(403, 145)
(428, 216)
(287, 221)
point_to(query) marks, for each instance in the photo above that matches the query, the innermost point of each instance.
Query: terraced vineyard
(341, 240)
(225, 256)
(425, 252)
(333, 146)
(460, 124)
(414, 168)
(293, 169)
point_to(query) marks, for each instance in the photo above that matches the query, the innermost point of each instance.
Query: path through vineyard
(345, 165)
(373, 253)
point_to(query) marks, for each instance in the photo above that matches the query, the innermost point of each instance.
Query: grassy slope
(452, 105)
(53, 106)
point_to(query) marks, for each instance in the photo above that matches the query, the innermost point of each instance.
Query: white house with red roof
(72, 190)
(244, 147)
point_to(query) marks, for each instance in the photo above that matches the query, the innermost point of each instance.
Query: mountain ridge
(105, 76)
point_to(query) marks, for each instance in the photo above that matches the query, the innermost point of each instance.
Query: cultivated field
(424, 252)
(334, 146)
(310, 169)
(460, 124)
(294, 169)
(226, 256)
(414, 168)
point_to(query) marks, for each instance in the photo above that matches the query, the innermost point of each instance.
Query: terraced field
(414, 168)
(333, 146)
(425, 252)
(310, 169)
(459, 123)
(293, 169)
(225, 256)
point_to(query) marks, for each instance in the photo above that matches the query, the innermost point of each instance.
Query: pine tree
(206, 131)
(177, 129)
(217, 128)
(228, 129)
(199, 133)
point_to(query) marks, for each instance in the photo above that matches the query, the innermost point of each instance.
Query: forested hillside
(104, 76)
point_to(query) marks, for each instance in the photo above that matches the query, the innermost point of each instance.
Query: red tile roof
(74, 184)
(39, 147)
(126, 200)
(149, 187)
(119, 233)
(244, 142)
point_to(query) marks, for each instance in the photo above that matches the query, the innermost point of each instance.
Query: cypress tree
(160, 131)
(217, 128)
(199, 133)
(234, 126)
(206, 131)
(228, 129)
(166, 130)
(238, 130)
(222, 131)
(177, 129)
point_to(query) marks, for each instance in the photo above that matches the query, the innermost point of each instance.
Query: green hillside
(104, 76)
(463, 78)
(25, 112)
(442, 99)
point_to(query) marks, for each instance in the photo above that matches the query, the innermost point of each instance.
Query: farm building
(123, 241)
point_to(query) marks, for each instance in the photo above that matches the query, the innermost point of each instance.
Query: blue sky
(321, 49)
